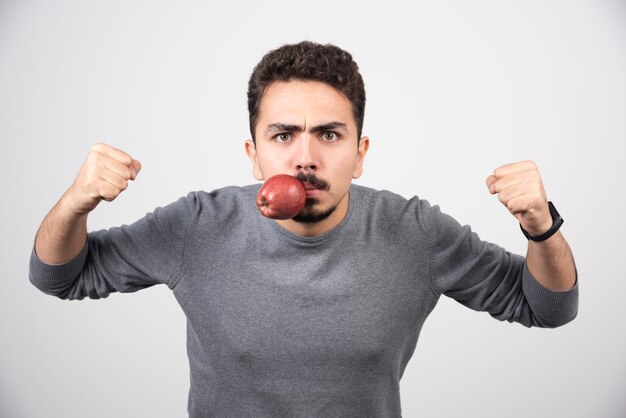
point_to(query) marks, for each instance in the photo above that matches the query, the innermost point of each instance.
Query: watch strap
(557, 221)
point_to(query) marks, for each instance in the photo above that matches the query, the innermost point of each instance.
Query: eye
(282, 137)
(330, 136)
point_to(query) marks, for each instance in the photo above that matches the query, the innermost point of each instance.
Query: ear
(364, 145)
(254, 159)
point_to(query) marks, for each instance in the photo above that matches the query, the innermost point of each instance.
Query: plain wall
(455, 89)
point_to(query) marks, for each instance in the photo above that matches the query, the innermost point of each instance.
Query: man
(315, 316)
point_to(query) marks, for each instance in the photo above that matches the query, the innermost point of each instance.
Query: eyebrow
(286, 127)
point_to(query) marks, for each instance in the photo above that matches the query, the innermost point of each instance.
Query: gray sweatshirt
(280, 325)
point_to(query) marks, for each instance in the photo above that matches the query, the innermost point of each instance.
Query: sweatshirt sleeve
(122, 259)
(485, 277)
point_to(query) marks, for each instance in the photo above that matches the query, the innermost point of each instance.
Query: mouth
(311, 191)
(312, 182)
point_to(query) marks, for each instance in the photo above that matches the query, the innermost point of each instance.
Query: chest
(321, 307)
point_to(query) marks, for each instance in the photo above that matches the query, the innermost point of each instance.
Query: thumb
(491, 183)
(135, 168)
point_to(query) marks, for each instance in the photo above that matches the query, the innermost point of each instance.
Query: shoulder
(388, 202)
(223, 194)
(229, 201)
(219, 196)
(392, 210)
(377, 196)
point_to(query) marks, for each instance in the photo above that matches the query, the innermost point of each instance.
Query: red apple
(281, 197)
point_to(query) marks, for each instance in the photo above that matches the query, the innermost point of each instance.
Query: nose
(306, 158)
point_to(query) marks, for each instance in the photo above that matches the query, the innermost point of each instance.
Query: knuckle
(94, 156)
(99, 146)
(510, 205)
(108, 193)
(126, 159)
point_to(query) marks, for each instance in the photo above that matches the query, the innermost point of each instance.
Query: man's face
(306, 129)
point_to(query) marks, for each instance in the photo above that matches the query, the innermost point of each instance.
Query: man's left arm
(520, 189)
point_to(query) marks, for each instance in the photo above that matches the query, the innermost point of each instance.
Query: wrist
(557, 221)
(69, 208)
(541, 229)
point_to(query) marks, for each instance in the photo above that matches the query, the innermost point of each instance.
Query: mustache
(313, 180)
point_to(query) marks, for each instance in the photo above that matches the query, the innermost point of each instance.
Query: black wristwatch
(557, 221)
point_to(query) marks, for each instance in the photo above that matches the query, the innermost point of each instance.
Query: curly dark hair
(308, 61)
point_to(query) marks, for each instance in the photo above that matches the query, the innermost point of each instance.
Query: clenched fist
(103, 176)
(520, 189)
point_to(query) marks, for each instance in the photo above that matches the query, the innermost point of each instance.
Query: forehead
(297, 100)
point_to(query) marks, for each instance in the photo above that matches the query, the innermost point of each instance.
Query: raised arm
(520, 189)
(103, 176)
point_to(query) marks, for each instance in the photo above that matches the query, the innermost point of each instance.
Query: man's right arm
(103, 176)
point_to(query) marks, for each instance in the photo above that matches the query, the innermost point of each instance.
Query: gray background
(455, 89)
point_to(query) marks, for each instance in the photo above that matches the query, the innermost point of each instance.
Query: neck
(323, 226)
